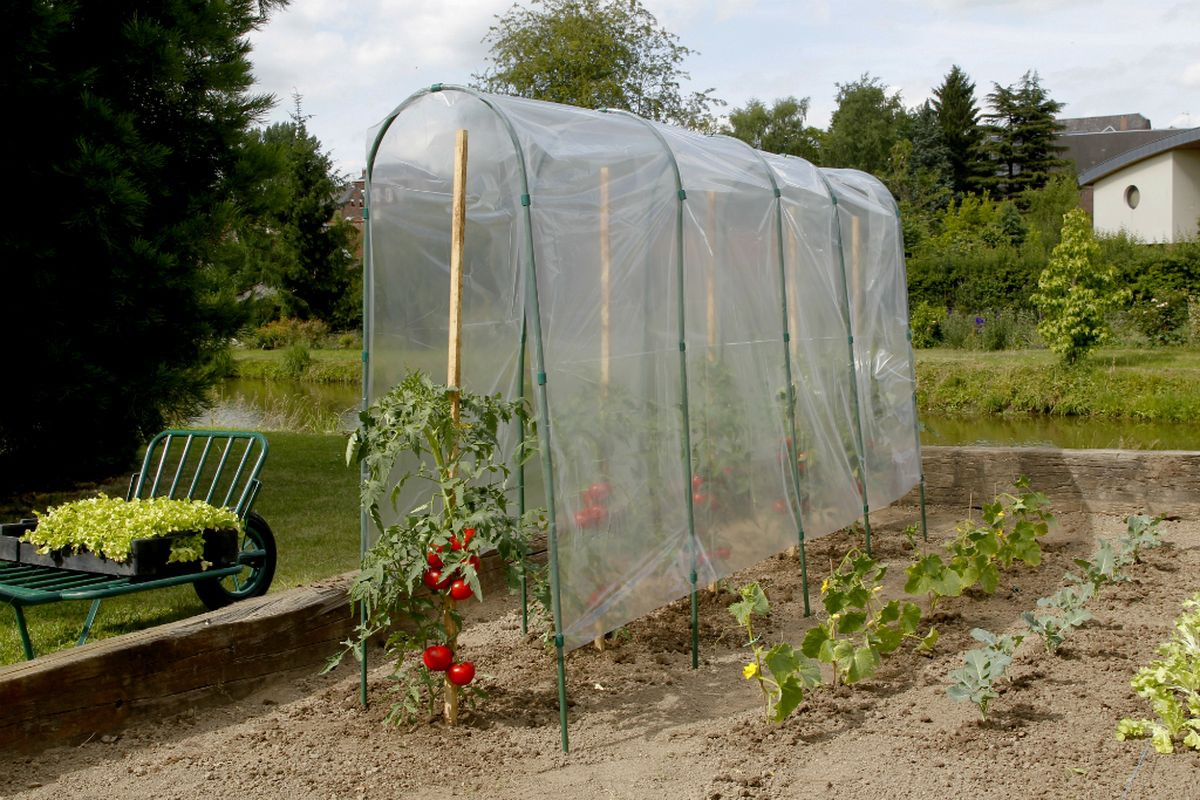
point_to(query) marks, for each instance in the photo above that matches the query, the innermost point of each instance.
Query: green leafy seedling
(975, 681)
(861, 628)
(783, 675)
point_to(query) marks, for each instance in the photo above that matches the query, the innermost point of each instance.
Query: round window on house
(1132, 196)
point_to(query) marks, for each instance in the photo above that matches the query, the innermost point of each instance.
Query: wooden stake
(605, 311)
(458, 235)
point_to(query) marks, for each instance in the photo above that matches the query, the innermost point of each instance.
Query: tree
(958, 121)
(317, 260)
(594, 54)
(133, 179)
(1076, 291)
(1020, 137)
(864, 127)
(778, 129)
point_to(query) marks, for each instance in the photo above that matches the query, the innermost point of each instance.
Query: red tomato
(697, 482)
(468, 535)
(434, 580)
(433, 560)
(583, 517)
(438, 658)
(700, 498)
(474, 562)
(781, 507)
(600, 491)
(461, 673)
(460, 590)
(597, 514)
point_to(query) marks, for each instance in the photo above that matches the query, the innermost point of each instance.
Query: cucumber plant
(861, 628)
(1171, 684)
(783, 675)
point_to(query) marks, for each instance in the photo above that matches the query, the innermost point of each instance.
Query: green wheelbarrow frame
(219, 467)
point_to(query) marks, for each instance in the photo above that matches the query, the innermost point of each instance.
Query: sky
(353, 62)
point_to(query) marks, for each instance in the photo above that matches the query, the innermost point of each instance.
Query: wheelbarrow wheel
(257, 554)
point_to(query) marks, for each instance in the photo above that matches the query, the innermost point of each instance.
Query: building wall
(1186, 191)
(1152, 219)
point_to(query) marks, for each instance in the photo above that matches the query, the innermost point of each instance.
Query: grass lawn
(309, 498)
(1162, 384)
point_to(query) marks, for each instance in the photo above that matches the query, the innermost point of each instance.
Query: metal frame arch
(532, 318)
(787, 358)
(680, 195)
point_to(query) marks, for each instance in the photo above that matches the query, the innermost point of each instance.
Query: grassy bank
(324, 366)
(1162, 384)
(309, 498)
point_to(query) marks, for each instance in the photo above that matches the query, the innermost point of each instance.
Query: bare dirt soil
(644, 725)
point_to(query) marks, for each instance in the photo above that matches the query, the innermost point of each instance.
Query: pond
(328, 408)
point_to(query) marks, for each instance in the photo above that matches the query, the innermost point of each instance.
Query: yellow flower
(825, 586)
(750, 670)
(835, 616)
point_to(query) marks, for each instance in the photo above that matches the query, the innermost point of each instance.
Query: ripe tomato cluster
(439, 658)
(702, 495)
(435, 578)
(595, 511)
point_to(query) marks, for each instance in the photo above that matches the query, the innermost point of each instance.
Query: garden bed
(645, 725)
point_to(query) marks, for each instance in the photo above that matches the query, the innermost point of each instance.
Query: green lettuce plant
(107, 526)
(1171, 684)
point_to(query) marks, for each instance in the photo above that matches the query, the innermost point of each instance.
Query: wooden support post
(605, 315)
(458, 235)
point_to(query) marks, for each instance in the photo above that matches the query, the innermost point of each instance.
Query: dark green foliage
(958, 121)
(1019, 139)
(594, 54)
(778, 129)
(131, 169)
(864, 127)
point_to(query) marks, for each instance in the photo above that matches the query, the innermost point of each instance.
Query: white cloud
(1191, 75)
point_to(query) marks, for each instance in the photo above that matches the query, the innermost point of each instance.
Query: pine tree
(1020, 137)
(132, 180)
(958, 119)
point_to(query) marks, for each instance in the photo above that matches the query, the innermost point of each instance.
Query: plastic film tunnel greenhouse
(714, 337)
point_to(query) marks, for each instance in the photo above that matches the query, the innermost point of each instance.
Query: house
(1150, 190)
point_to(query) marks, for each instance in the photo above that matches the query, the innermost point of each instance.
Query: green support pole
(856, 407)
(787, 367)
(363, 522)
(681, 195)
(912, 370)
(521, 479)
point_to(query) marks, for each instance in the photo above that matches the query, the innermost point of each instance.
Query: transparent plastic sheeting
(638, 284)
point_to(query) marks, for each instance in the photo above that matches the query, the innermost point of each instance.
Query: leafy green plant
(1068, 613)
(1171, 684)
(783, 675)
(861, 628)
(928, 575)
(428, 559)
(296, 361)
(983, 668)
(107, 526)
(980, 550)
(1142, 532)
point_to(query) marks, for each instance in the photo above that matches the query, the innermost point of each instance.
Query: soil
(645, 725)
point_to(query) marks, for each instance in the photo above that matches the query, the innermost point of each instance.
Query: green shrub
(296, 362)
(1162, 318)
(925, 321)
(287, 331)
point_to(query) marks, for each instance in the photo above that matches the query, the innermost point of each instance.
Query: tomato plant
(435, 545)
